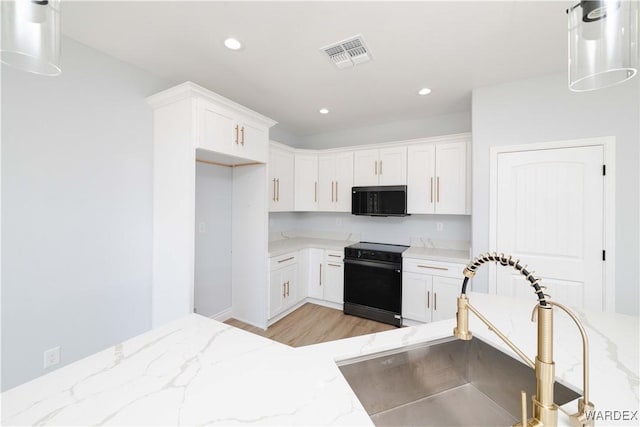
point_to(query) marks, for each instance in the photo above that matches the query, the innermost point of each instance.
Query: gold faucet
(545, 411)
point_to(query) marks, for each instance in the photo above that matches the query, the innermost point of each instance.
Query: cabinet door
(216, 128)
(290, 282)
(277, 293)
(421, 161)
(343, 181)
(280, 180)
(392, 166)
(326, 182)
(252, 142)
(445, 297)
(451, 178)
(334, 281)
(284, 182)
(416, 296)
(306, 182)
(365, 168)
(315, 274)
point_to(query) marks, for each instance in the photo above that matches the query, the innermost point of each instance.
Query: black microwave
(383, 200)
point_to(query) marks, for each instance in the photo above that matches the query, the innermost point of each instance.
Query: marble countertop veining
(281, 247)
(437, 254)
(197, 371)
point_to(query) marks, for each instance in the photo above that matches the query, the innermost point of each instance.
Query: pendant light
(31, 35)
(603, 43)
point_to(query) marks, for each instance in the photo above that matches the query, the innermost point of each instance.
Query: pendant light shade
(603, 43)
(31, 35)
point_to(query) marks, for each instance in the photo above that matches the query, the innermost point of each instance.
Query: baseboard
(329, 304)
(222, 316)
(286, 312)
(409, 322)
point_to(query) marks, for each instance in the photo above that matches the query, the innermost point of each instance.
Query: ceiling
(448, 46)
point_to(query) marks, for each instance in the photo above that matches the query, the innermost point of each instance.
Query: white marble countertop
(281, 247)
(197, 371)
(436, 254)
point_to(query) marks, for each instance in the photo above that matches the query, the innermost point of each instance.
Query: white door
(344, 181)
(416, 296)
(333, 281)
(549, 213)
(421, 179)
(451, 178)
(392, 166)
(446, 291)
(365, 168)
(306, 182)
(326, 182)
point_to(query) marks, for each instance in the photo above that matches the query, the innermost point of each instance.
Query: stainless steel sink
(444, 383)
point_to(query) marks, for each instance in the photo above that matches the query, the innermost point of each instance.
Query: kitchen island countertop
(197, 371)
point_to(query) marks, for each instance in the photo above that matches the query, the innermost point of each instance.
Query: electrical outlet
(51, 357)
(439, 226)
(202, 227)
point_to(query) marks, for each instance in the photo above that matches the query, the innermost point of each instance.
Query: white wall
(386, 132)
(394, 230)
(213, 244)
(543, 109)
(76, 209)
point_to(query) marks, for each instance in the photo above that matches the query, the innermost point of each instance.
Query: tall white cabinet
(192, 123)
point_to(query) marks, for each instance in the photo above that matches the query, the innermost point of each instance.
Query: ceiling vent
(349, 52)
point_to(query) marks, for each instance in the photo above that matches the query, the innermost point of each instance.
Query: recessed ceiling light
(324, 111)
(424, 91)
(232, 44)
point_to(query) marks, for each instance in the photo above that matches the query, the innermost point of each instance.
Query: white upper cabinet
(229, 132)
(335, 179)
(384, 166)
(437, 178)
(306, 182)
(280, 180)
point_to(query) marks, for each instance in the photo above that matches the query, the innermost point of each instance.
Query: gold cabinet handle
(336, 191)
(375, 167)
(334, 265)
(287, 288)
(274, 190)
(278, 188)
(242, 132)
(438, 190)
(431, 192)
(320, 278)
(435, 300)
(380, 167)
(432, 267)
(335, 256)
(331, 191)
(428, 298)
(284, 291)
(237, 127)
(286, 259)
(315, 191)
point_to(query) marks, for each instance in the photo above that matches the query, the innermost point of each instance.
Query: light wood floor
(312, 324)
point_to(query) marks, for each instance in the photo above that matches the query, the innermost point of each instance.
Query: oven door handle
(373, 264)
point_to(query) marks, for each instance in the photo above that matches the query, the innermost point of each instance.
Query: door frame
(608, 145)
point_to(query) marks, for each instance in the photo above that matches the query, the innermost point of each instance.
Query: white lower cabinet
(283, 283)
(430, 289)
(333, 279)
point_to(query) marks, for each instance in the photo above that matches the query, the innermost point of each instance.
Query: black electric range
(373, 281)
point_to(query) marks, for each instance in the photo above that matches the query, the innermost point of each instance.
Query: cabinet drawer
(434, 268)
(333, 256)
(285, 260)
